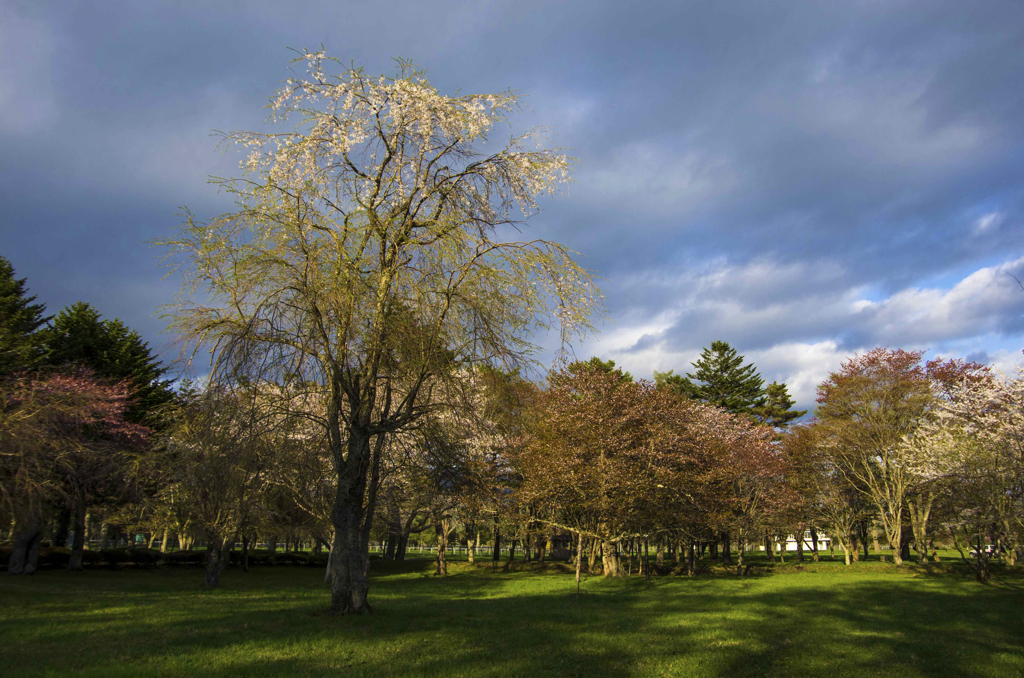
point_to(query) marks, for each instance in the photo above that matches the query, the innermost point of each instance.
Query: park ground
(871, 619)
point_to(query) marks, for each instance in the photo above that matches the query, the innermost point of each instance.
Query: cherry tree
(367, 260)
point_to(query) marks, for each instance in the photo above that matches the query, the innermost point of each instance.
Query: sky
(805, 180)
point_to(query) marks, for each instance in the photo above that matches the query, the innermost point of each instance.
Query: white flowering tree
(367, 258)
(975, 443)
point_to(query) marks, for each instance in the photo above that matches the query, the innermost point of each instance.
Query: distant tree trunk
(512, 550)
(272, 544)
(25, 554)
(594, 546)
(60, 527)
(659, 556)
(245, 553)
(579, 560)
(217, 556)
(527, 548)
(739, 552)
(690, 553)
(713, 549)
(105, 530)
(496, 554)
(75, 562)
(441, 532)
(726, 548)
(814, 542)
(471, 538)
(769, 547)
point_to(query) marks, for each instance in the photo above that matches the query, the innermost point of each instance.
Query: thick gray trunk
(610, 559)
(217, 555)
(25, 556)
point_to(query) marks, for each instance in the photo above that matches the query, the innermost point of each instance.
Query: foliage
(21, 345)
(79, 337)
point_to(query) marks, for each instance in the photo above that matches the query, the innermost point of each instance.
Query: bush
(184, 558)
(113, 557)
(58, 557)
(144, 557)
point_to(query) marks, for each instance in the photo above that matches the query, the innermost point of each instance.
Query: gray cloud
(786, 176)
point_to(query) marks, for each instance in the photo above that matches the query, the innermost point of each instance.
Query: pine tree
(21, 344)
(80, 337)
(720, 379)
(777, 410)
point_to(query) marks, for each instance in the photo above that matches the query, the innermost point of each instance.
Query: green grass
(869, 619)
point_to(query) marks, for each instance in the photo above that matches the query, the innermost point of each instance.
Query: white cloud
(987, 222)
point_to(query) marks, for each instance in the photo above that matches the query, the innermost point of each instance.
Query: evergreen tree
(720, 379)
(777, 410)
(80, 337)
(21, 344)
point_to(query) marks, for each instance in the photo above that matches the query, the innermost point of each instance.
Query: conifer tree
(720, 379)
(81, 338)
(21, 344)
(777, 408)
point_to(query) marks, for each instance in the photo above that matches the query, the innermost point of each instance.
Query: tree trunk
(769, 547)
(471, 537)
(739, 553)
(441, 531)
(610, 559)
(496, 554)
(60, 528)
(512, 550)
(659, 554)
(25, 556)
(726, 548)
(78, 536)
(814, 543)
(592, 558)
(919, 512)
(579, 560)
(245, 553)
(217, 556)
(690, 553)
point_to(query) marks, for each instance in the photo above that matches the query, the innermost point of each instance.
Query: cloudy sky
(802, 180)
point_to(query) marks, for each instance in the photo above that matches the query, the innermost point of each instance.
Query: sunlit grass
(869, 619)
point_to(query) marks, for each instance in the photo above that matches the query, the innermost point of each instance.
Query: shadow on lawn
(476, 623)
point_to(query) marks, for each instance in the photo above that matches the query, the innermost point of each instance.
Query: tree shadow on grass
(475, 623)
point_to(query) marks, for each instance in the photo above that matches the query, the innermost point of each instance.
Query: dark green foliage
(720, 379)
(80, 337)
(607, 366)
(21, 344)
(777, 407)
(185, 558)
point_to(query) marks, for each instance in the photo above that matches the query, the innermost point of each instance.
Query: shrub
(184, 558)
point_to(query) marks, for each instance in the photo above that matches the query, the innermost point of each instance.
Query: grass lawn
(869, 619)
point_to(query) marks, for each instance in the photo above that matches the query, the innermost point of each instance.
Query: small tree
(365, 259)
(61, 436)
